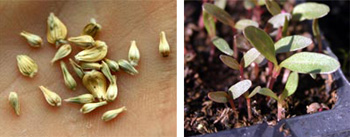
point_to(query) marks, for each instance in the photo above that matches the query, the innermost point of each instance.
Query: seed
(62, 52)
(77, 68)
(91, 65)
(92, 28)
(164, 48)
(68, 79)
(93, 54)
(82, 99)
(33, 40)
(105, 70)
(26, 65)
(51, 97)
(112, 90)
(134, 54)
(56, 30)
(109, 115)
(95, 82)
(91, 106)
(84, 41)
(127, 67)
(14, 102)
(113, 65)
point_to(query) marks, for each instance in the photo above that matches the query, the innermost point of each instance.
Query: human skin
(150, 96)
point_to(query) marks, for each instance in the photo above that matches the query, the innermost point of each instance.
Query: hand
(150, 96)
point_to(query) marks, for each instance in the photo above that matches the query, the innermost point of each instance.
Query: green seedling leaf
(308, 62)
(261, 2)
(209, 24)
(220, 3)
(279, 19)
(222, 45)
(313, 75)
(262, 42)
(292, 43)
(268, 92)
(218, 96)
(273, 7)
(256, 90)
(229, 61)
(219, 14)
(250, 56)
(239, 88)
(241, 24)
(291, 85)
(310, 10)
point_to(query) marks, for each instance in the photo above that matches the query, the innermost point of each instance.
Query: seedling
(302, 62)
(234, 92)
(263, 45)
(312, 11)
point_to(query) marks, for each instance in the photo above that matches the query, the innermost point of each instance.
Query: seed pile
(90, 65)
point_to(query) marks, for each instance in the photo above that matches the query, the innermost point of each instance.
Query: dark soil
(204, 73)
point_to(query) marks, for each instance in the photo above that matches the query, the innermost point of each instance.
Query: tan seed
(95, 83)
(91, 106)
(112, 90)
(32, 39)
(56, 30)
(68, 79)
(84, 41)
(51, 97)
(113, 65)
(14, 102)
(127, 67)
(62, 52)
(77, 68)
(82, 99)
(93, 54)
(134, 54)
(26, 65)
(164, 48)
(109, 115)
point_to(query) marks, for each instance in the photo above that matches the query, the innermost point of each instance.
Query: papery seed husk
(32, 39)
(91, 65)
(62, 52)
(81, 99)
(112, 91)
(56, 30)
(111, 114)
(88, 107)
(134, 54)
(94, 54)
(127, 67)
(14, 102)
(51, 97)
(164, 48)
(26, 65)
(113, 65)
(84, 41)
(105, 70)
(68, 79)
(95, 82)
(77, 68)
(92, 28)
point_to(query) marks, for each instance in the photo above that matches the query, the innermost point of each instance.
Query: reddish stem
(249, 109)
(232, 104)
(241, 72)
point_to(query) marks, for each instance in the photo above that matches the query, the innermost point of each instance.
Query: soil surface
(204, 73)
